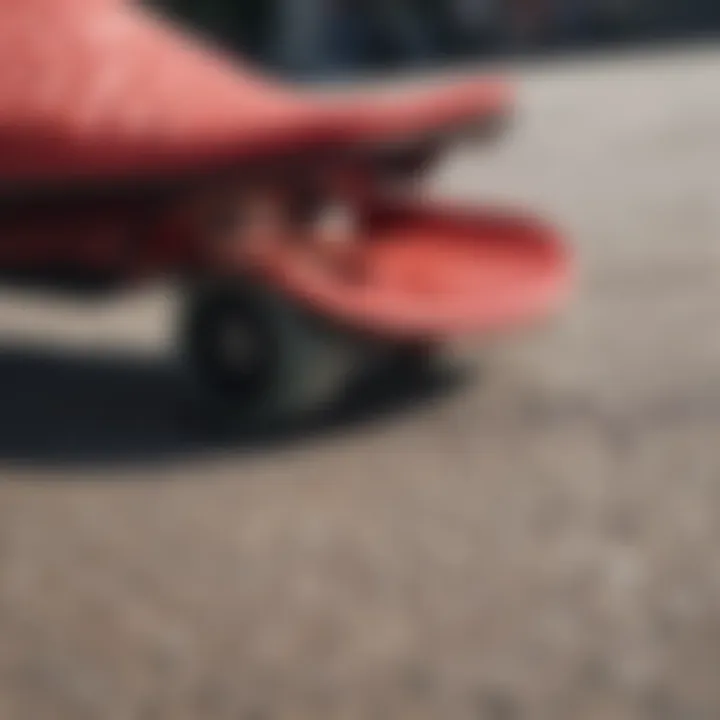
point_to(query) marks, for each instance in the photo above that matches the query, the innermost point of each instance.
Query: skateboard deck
(430, 274)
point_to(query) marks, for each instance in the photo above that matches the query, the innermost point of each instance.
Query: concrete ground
(540, 542)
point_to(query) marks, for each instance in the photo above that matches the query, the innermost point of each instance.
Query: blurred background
(321, 37)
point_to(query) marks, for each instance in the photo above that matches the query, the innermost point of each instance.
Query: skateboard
(297, 222)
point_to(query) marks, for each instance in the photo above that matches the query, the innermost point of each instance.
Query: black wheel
(256, 357)
(414, 361)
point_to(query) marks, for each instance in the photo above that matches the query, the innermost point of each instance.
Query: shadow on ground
(61, 408)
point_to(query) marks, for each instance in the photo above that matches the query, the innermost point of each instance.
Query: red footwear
(101, 89)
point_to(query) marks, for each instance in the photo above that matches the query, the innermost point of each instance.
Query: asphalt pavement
(534, 540)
